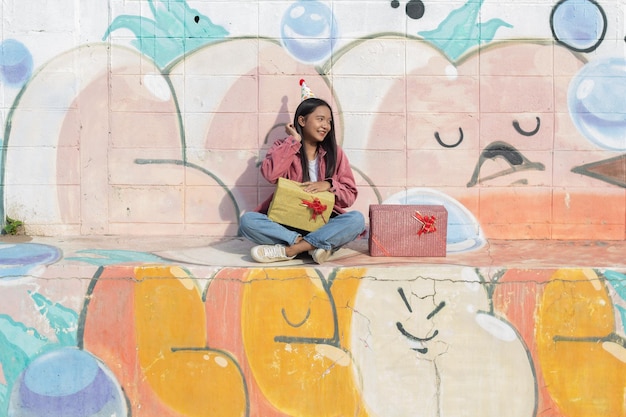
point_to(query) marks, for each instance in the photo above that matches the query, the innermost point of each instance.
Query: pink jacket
(283, 160)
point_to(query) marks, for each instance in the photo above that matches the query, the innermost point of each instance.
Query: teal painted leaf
(62, 320)
(4, 398)
(115, 257)
(460, 31)
(18, 345)
(25, 338)
(618, 282)
(12, 358)
(176, 30)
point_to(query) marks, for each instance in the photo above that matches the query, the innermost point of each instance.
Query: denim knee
(358, 219)
(245, 221)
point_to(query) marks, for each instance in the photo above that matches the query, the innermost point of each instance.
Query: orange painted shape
(108, 330)
(223, 306)
(148, 325)
(169, 312)
(170, 324)
(516, 297)
(293, 346)
(583, 369)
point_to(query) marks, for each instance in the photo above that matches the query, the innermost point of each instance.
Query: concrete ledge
(235, 252)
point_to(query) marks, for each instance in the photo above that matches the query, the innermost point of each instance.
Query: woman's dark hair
(329, 143)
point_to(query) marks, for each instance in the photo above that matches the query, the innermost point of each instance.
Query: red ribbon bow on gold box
(316, 207)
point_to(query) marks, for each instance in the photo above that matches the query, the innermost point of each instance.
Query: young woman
(309, 155)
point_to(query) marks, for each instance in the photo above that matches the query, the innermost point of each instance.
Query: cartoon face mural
(492, 130)
(425, 340)
(165, 141)
(446, 124)
(295, 335)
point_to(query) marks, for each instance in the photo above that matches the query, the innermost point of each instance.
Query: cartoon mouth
(413, 338)
(332, 341)
(512, 156)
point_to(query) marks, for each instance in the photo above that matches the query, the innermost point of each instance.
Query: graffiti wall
(120, 333)
(150, 117)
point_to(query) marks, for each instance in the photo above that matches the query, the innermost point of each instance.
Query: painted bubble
(18, 260)
(309, 31)
(67, 382)
(16, 63)
(578, 24)
(596, 102)
(464, 232)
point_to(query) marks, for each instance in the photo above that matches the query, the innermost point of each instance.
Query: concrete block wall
(145, 118)
(149, 117)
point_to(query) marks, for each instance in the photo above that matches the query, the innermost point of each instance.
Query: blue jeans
(339, 230)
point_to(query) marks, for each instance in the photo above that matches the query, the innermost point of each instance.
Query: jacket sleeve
(342, 182)
(279, 159)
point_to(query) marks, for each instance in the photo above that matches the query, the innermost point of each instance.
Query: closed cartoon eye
(289, 322)
(523, 132)
(332, 341)
(446, 145)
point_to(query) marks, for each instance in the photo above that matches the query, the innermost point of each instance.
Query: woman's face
(316, 125)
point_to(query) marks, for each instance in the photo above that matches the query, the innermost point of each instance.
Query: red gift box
(407, 230)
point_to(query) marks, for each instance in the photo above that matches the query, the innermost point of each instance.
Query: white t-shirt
(313, 170)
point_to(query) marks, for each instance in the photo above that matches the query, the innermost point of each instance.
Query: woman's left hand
(291, 130)
(316, 187)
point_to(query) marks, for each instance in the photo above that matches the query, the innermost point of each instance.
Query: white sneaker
(320, 255)
(269, 253)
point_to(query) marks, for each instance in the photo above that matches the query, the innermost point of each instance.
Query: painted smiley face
(419, 342)
(491, 130)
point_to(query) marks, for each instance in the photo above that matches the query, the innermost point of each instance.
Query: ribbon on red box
(428, 223)
(317, 208)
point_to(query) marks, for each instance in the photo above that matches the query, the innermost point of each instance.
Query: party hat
(306, 91)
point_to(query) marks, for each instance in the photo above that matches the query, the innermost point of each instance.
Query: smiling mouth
(413, 338)
(512, 156)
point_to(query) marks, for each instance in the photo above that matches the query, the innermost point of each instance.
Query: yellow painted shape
(344, 290)
(306, 378)
(584, 376)
(170, 326)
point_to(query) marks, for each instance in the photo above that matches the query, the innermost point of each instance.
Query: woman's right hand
(291, 130)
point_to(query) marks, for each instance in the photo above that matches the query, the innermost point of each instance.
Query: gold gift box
(292, 206)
